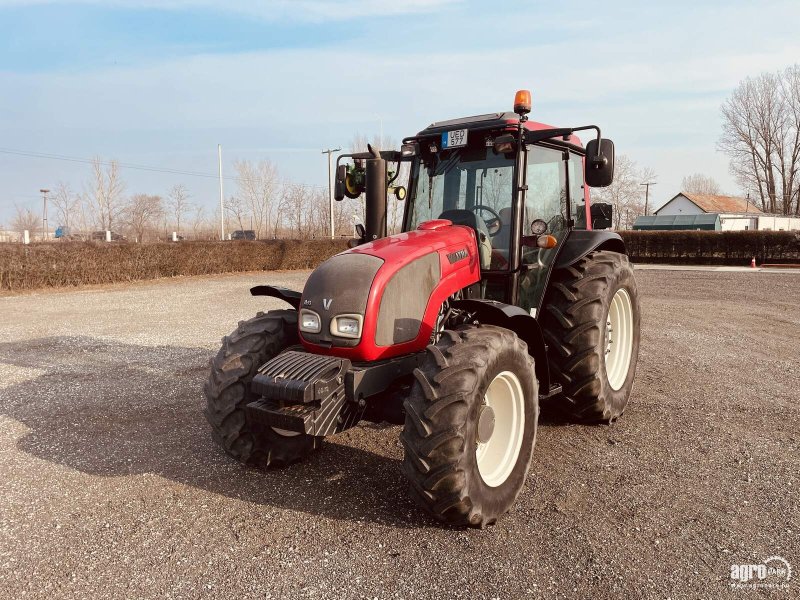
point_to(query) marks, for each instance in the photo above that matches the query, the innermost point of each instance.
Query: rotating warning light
(522, 102)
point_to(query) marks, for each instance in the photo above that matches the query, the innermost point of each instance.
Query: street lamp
(330, 152)
(44, 213)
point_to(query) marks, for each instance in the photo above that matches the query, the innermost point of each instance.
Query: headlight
(309, 321)
(348, 326)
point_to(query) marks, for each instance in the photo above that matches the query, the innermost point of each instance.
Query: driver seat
(460, 216)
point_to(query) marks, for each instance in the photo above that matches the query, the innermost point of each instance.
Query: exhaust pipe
(375, 196)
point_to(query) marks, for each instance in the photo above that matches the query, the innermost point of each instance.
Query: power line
(138, 167)
(105, 163)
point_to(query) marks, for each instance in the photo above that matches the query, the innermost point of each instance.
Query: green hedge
(713, 247)
(80, 263)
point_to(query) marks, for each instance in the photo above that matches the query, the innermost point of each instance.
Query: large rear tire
(471, 425)
(590, 321)
(228, 392)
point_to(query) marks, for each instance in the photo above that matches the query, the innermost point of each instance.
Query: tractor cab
(519, 184)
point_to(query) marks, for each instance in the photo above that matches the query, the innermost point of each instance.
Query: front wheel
(228, 393)
(471, 425)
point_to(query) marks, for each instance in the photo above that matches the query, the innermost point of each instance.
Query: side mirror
(338, 186)
(599, 170)
(503, 144)
(602, 215)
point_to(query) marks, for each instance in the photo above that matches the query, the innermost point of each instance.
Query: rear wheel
(590, 321)
(471, 425)
(227, 391)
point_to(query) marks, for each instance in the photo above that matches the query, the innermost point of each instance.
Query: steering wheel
(495, 224)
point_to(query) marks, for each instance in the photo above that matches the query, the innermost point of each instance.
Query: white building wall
(777, 223)
(9, 236)
(680, 205)
(734, 222)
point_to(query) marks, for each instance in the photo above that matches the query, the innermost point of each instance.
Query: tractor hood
(382, 299)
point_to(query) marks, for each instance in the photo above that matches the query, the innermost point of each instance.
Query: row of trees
(264, 202)
(104, 206)
(275, 208)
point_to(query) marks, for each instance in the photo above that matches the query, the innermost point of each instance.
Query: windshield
(470, 186)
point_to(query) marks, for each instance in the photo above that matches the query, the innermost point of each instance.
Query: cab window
(547, 189)
(576, 190)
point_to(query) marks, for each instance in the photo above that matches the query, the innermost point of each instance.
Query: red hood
(458, 262)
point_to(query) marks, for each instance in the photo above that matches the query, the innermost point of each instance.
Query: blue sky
(161, 83)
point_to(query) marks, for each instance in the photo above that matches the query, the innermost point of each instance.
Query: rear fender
(491, 312)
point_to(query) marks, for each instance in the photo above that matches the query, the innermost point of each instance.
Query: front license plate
(454, 139)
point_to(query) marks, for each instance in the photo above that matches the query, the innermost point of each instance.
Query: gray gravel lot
(110, 486)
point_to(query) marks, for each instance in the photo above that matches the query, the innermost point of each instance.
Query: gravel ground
(111, 487)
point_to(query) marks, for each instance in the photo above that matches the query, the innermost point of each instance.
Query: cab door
(548, 198)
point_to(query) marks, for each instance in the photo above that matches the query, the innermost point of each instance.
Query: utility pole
(221, 196)
(647, 194)
(44, 213)
(330, 152)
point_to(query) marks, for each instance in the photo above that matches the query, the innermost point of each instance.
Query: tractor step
(555, 390)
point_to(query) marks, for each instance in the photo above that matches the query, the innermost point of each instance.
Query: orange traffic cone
(753, 263)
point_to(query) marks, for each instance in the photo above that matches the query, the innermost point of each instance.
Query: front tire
(590, 320)
(227, 391)
(470, 425)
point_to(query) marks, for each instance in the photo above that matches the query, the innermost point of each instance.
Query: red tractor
(501, 293)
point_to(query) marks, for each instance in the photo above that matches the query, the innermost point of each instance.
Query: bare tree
(25, 219)
(198, 222)
(258, 189)
(296, 209)
(236, 211)
(625, 194)
(67, 204)
(105, 194)
(178, 200)
(697, 183)
(394, 208)
(141, 214)
(761, 135)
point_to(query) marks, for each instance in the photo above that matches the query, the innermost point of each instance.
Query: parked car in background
(243, 234)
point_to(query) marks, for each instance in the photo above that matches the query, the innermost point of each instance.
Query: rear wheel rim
(497, 456)
(619, 339)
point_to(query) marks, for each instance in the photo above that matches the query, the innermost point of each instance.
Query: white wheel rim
(619, 338)
(284, 432)
(497, 456)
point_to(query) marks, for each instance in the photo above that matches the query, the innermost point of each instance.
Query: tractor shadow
(113, 409)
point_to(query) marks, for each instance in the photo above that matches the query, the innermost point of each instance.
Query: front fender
(275, 291)
(580, 242)
(491, 312)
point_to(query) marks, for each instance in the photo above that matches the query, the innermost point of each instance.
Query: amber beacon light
(522, 102)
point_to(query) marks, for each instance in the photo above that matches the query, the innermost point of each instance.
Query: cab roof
(499, 120)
